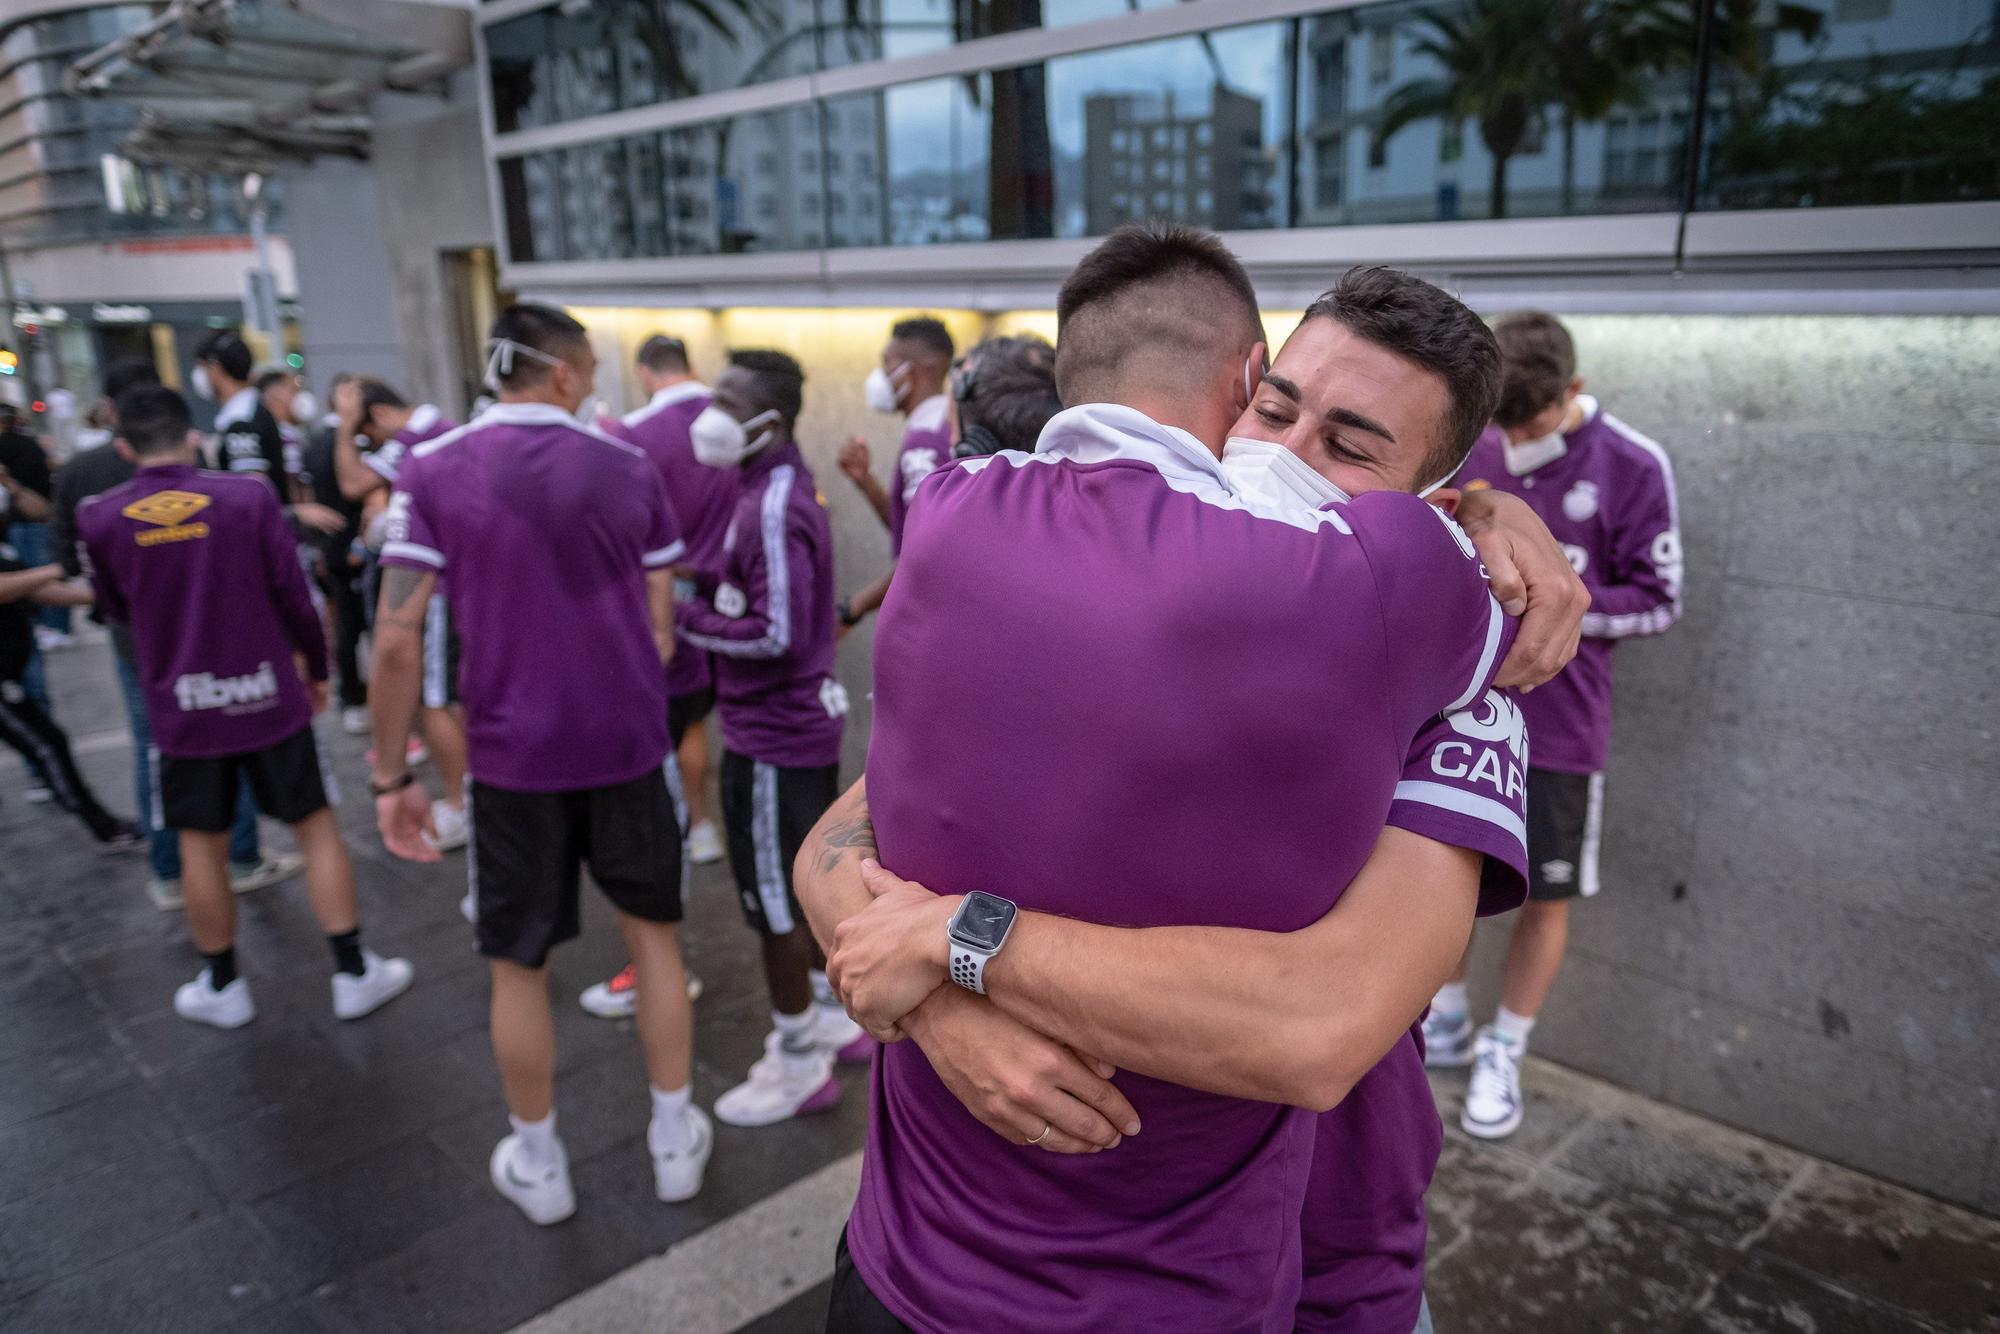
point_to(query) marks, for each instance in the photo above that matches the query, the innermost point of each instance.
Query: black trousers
(350, 619)
(27, 728)
(853, 1309)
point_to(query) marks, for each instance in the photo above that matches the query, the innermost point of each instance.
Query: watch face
(982, 921)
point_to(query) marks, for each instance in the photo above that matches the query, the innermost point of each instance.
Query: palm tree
(1493, 54)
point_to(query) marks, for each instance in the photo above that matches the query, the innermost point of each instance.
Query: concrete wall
(1799, 931)
(334, 221)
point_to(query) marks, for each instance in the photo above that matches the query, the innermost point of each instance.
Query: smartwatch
(977, 931)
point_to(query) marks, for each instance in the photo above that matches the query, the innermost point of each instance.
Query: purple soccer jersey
(1361, 1233)
(1609, 499)
(926, 448)
(206, 571)
(1105, 686)
(703, 498)
(425, 423)
(546, 530)
(769, 618)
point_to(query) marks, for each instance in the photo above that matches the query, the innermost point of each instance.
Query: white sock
(670, 1130)
(1451, 999)
(537, 1151)
(795, 1041)
(1513, 1027)
(822, 989)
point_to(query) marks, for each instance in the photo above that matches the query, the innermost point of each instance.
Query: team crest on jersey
(1581, 502)
(169, 512)
(729, 600)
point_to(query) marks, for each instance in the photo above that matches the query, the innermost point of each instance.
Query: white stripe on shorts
(436, 659)
(1593, 828)
(770, 856)
(676, 790)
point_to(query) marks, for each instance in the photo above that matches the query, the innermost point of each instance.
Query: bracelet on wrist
(394, 785)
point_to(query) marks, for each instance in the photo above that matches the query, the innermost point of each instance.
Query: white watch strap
(968, 968)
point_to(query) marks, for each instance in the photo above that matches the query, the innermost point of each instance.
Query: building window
(1451, 141)
(1381, 55)
(808, 162)
(1330, 78)
(1327, 171)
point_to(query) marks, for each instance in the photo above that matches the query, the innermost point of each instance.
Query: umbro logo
(169, 512)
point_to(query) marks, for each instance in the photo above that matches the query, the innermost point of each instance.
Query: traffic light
(9, 362)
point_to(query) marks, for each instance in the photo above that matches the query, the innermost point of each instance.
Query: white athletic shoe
(677, 1172)
(452, 827)
(781, 1087)
(840, 1036)
(354, 720)
(230, 1007)
(468, 907)
(1493, 1098)
(704, 844)
(617, 997)
(1447, 1040)
(385, 980)
(165, 894)
(280, 866)
(546, 1197)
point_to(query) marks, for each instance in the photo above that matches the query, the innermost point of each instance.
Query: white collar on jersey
(931, 414)
(423, 418)
(241, 407)
(526, 414)
(677, 393)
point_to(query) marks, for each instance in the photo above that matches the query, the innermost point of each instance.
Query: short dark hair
(1428, 325)
(1090, 349)
(274, 376)
(664, 354)
(780, 381)
(927, 332)
(226, 348)
(545, 329)
(1537, 364)
(153, 419)
(1010, 390)
(10, 416)
(375, 394)
(128, 374)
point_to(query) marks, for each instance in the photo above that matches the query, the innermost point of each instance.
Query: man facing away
(1197, 742)
(911, 381)
(1607, 493)
(232, 658)
(557, 544)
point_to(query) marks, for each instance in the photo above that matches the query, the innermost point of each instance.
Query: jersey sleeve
(1446, 635)
(664, 545)
(289, 592)
(1641, 590)
(248, 447)
(409, 540)
(769, 589)
(1465, 784)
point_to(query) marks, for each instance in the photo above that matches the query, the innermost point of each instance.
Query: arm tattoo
(399, 589)
(851, 833)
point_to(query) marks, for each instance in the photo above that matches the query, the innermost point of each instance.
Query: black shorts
(440, 655)
(767, 811)
(851, 1307)
(1565, 818)
(288, 779)
(684, 711)
(528, 851)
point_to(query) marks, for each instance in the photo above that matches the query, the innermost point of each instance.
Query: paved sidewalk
(308, 1175)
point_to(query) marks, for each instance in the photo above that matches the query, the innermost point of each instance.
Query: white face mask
(1529, 455)
(201, 384)
(1269, 474)
(589, 410)
(305, 407)
(721, 441)
(883, 389)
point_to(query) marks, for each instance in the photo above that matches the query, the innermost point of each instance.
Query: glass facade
(1374, 114)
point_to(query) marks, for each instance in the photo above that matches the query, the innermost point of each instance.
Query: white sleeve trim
(413, 551)
(1473, 688)
(666, 555)
(1497, 814)
(777, 640)
(1596, 625)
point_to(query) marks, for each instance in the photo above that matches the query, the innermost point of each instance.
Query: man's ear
(1257, 364)
(124, 448)
(1576, 386)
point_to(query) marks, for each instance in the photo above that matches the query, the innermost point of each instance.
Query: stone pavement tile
(218, 1077)
(34, 1082)
(197, 1278)
(80, 1139)
(1708, 1177)
(482, 1273)
(1935, 1260)
(102, 1214)
(446, 999)
(1764, 1296)
(367, 1207)
(1562, 1253)
(1470, 1175)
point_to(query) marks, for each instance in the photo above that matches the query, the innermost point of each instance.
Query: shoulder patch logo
(169, 512)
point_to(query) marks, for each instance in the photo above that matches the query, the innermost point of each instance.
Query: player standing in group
(911, 380)
(767, 616)
(232, 658)
(703, 498)
(1607, 493)
(557, 543)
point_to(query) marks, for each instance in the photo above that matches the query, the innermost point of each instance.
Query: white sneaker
(1447, 1040)
(385, 980)
(840, 1036)
(282, 866)
(545, 1198)
(781, 1087)
(1493, 1098)
(165, 894)
(354, 721)
(230, 1007)
(677, 1172)
(617, 997)
(704, 844)
(451, 826)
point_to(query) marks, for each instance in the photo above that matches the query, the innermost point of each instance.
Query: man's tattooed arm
(827, 873)
(396, 664)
